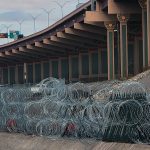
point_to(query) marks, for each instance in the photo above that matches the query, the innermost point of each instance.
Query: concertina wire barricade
(109, 111)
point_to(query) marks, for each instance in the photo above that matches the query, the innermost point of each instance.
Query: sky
(13, 12)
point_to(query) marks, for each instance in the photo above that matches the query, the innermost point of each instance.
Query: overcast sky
(14, 11)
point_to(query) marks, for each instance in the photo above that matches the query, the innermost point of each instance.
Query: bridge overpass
(107, 40)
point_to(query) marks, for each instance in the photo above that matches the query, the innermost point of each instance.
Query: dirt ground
(22, 142)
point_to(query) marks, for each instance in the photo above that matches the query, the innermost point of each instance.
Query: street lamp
(61, 6)
(48, 13)
(1, 28)
(34, 20)
(20, 24)
(7, 28)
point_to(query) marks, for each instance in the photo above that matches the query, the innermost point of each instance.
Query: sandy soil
(22, 142)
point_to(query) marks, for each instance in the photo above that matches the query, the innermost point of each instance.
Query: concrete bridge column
(123, 19)
(59, 68)
(42, 71)
(110, 49)
(148, 29)
(80, 65)
(50, 68)
(136, 56)
(2, 77)
(8, 75)
(70, 68)
(99, 63)
(90, 65)
(34, 73)
(25, 77)
(16, 74)
(143, 5)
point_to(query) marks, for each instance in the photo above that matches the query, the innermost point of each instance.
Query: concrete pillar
(136, 56)
(33, 72)
(16, 74)
(123, 18)
(50, 68)
(148, 29)
(8, 75)
(110, 49)
(2, 78)
(90, 65)
(99, 63)
(25, 76)
(144, 32)
(70, 68)
(59, 68)
(80, 65)
(42, 71)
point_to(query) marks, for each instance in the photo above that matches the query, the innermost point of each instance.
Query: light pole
(48, 13)
(20, 24)
(61, 7)
(34, 21)
(7, 28)
(1, 28)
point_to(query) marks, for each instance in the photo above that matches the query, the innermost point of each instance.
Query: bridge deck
(22, 142)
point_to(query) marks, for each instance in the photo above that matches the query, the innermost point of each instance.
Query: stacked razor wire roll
(111, 111)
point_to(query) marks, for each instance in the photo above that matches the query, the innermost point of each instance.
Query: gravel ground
(23, 142)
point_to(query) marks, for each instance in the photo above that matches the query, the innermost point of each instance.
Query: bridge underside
(109, 42)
